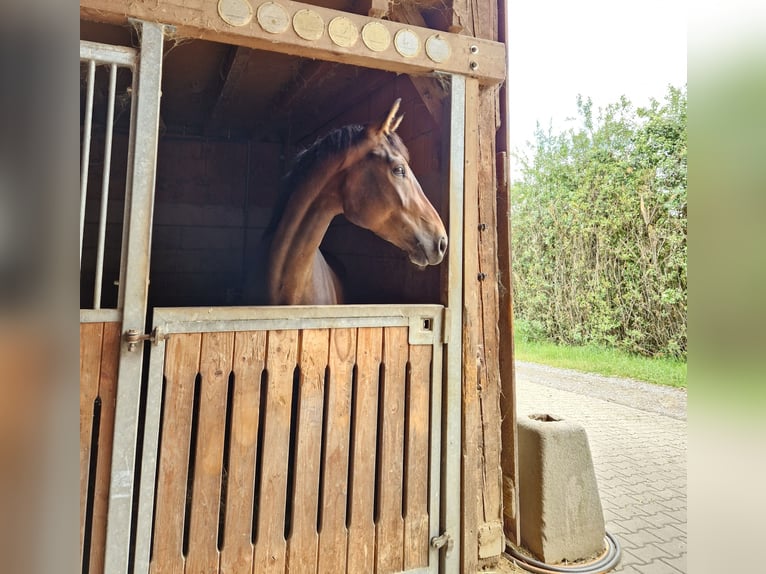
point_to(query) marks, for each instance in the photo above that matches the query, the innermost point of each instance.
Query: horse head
(381, 193)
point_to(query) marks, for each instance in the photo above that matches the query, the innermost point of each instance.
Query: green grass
(592, 359)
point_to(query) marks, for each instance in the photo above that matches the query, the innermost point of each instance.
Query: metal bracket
(445, 540)
(134, 336)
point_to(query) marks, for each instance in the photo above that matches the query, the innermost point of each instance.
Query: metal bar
(147, 100)
(105, 187)
(451, 483)
(107, 54)
(100, 315)
(297, 312)
(128, 193)
(434, 483)
(86, 148)
(149, 458)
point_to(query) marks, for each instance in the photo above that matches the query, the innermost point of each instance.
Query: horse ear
(397, 121)
(390, 124)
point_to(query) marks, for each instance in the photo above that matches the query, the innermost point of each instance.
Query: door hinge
(443, 541)
(133, 337)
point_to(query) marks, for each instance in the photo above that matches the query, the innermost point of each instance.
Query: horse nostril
(442, 245)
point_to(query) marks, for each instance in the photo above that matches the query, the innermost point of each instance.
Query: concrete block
(560, 510)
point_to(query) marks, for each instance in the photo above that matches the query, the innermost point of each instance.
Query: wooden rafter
(236, 67)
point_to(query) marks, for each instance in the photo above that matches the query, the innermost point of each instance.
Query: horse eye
(399, 171)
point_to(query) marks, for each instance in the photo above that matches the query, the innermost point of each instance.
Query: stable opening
(232, 119)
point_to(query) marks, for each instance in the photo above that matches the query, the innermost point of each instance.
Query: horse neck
(295, 255)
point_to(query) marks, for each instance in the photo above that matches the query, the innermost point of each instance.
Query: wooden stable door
(292, 440)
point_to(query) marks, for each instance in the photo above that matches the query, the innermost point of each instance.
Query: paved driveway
(637, 435)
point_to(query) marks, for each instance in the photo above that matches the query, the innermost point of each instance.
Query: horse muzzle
(429, 252)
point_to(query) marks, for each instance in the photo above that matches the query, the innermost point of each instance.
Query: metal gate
(293, 440)
(110, 375)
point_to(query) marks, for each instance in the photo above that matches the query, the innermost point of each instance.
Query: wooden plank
(489, 376)
(91, 337)
(200, 19)
(215, 367)
(181, 367)
(416, 541)
(270, 546)
(390, 527)
(361, 531)
(334, 496)
(304, 538)
(107, 390)
(471, 326)
(249, 362)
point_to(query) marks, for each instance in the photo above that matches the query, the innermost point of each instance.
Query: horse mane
(336, 141)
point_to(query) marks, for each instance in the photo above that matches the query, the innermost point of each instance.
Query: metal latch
(442, 541)
(133, 337)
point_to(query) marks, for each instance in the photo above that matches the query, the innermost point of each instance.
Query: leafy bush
(599, 229)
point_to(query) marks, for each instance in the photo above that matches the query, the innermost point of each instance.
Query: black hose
(604, 563)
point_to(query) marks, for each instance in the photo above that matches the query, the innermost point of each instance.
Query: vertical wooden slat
(304, 539)
(334, 496)
(269, 554)
(390, 527)
(107, 389)
(181, 367)
(361, 532)
(249, 362)
(215, 367)
(91, 337)
(416, 541)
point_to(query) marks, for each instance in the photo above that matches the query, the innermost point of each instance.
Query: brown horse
(363, 173)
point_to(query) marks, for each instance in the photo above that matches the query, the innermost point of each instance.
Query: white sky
(598, 48)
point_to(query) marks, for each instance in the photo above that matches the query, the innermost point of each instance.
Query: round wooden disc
(438, 49)
(407, 43)
(376, 36)
(273, 17)
(235, 12)
(308, 24)
(343, 32)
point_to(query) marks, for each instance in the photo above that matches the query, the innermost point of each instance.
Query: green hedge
(599, 229)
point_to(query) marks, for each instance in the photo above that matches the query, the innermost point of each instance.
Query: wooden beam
(472, 57)
(237, 65)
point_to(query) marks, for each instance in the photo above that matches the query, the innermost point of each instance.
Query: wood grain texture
(249, 362)
(361, 531)
(182, 357)
(334, 496)
(489, 376)
(270, 547)
(304, 538)
(200, 19)
(215, 367)
(390, 527)
(91, 338)
(107, 390)
(416, 540)
(471, 327)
